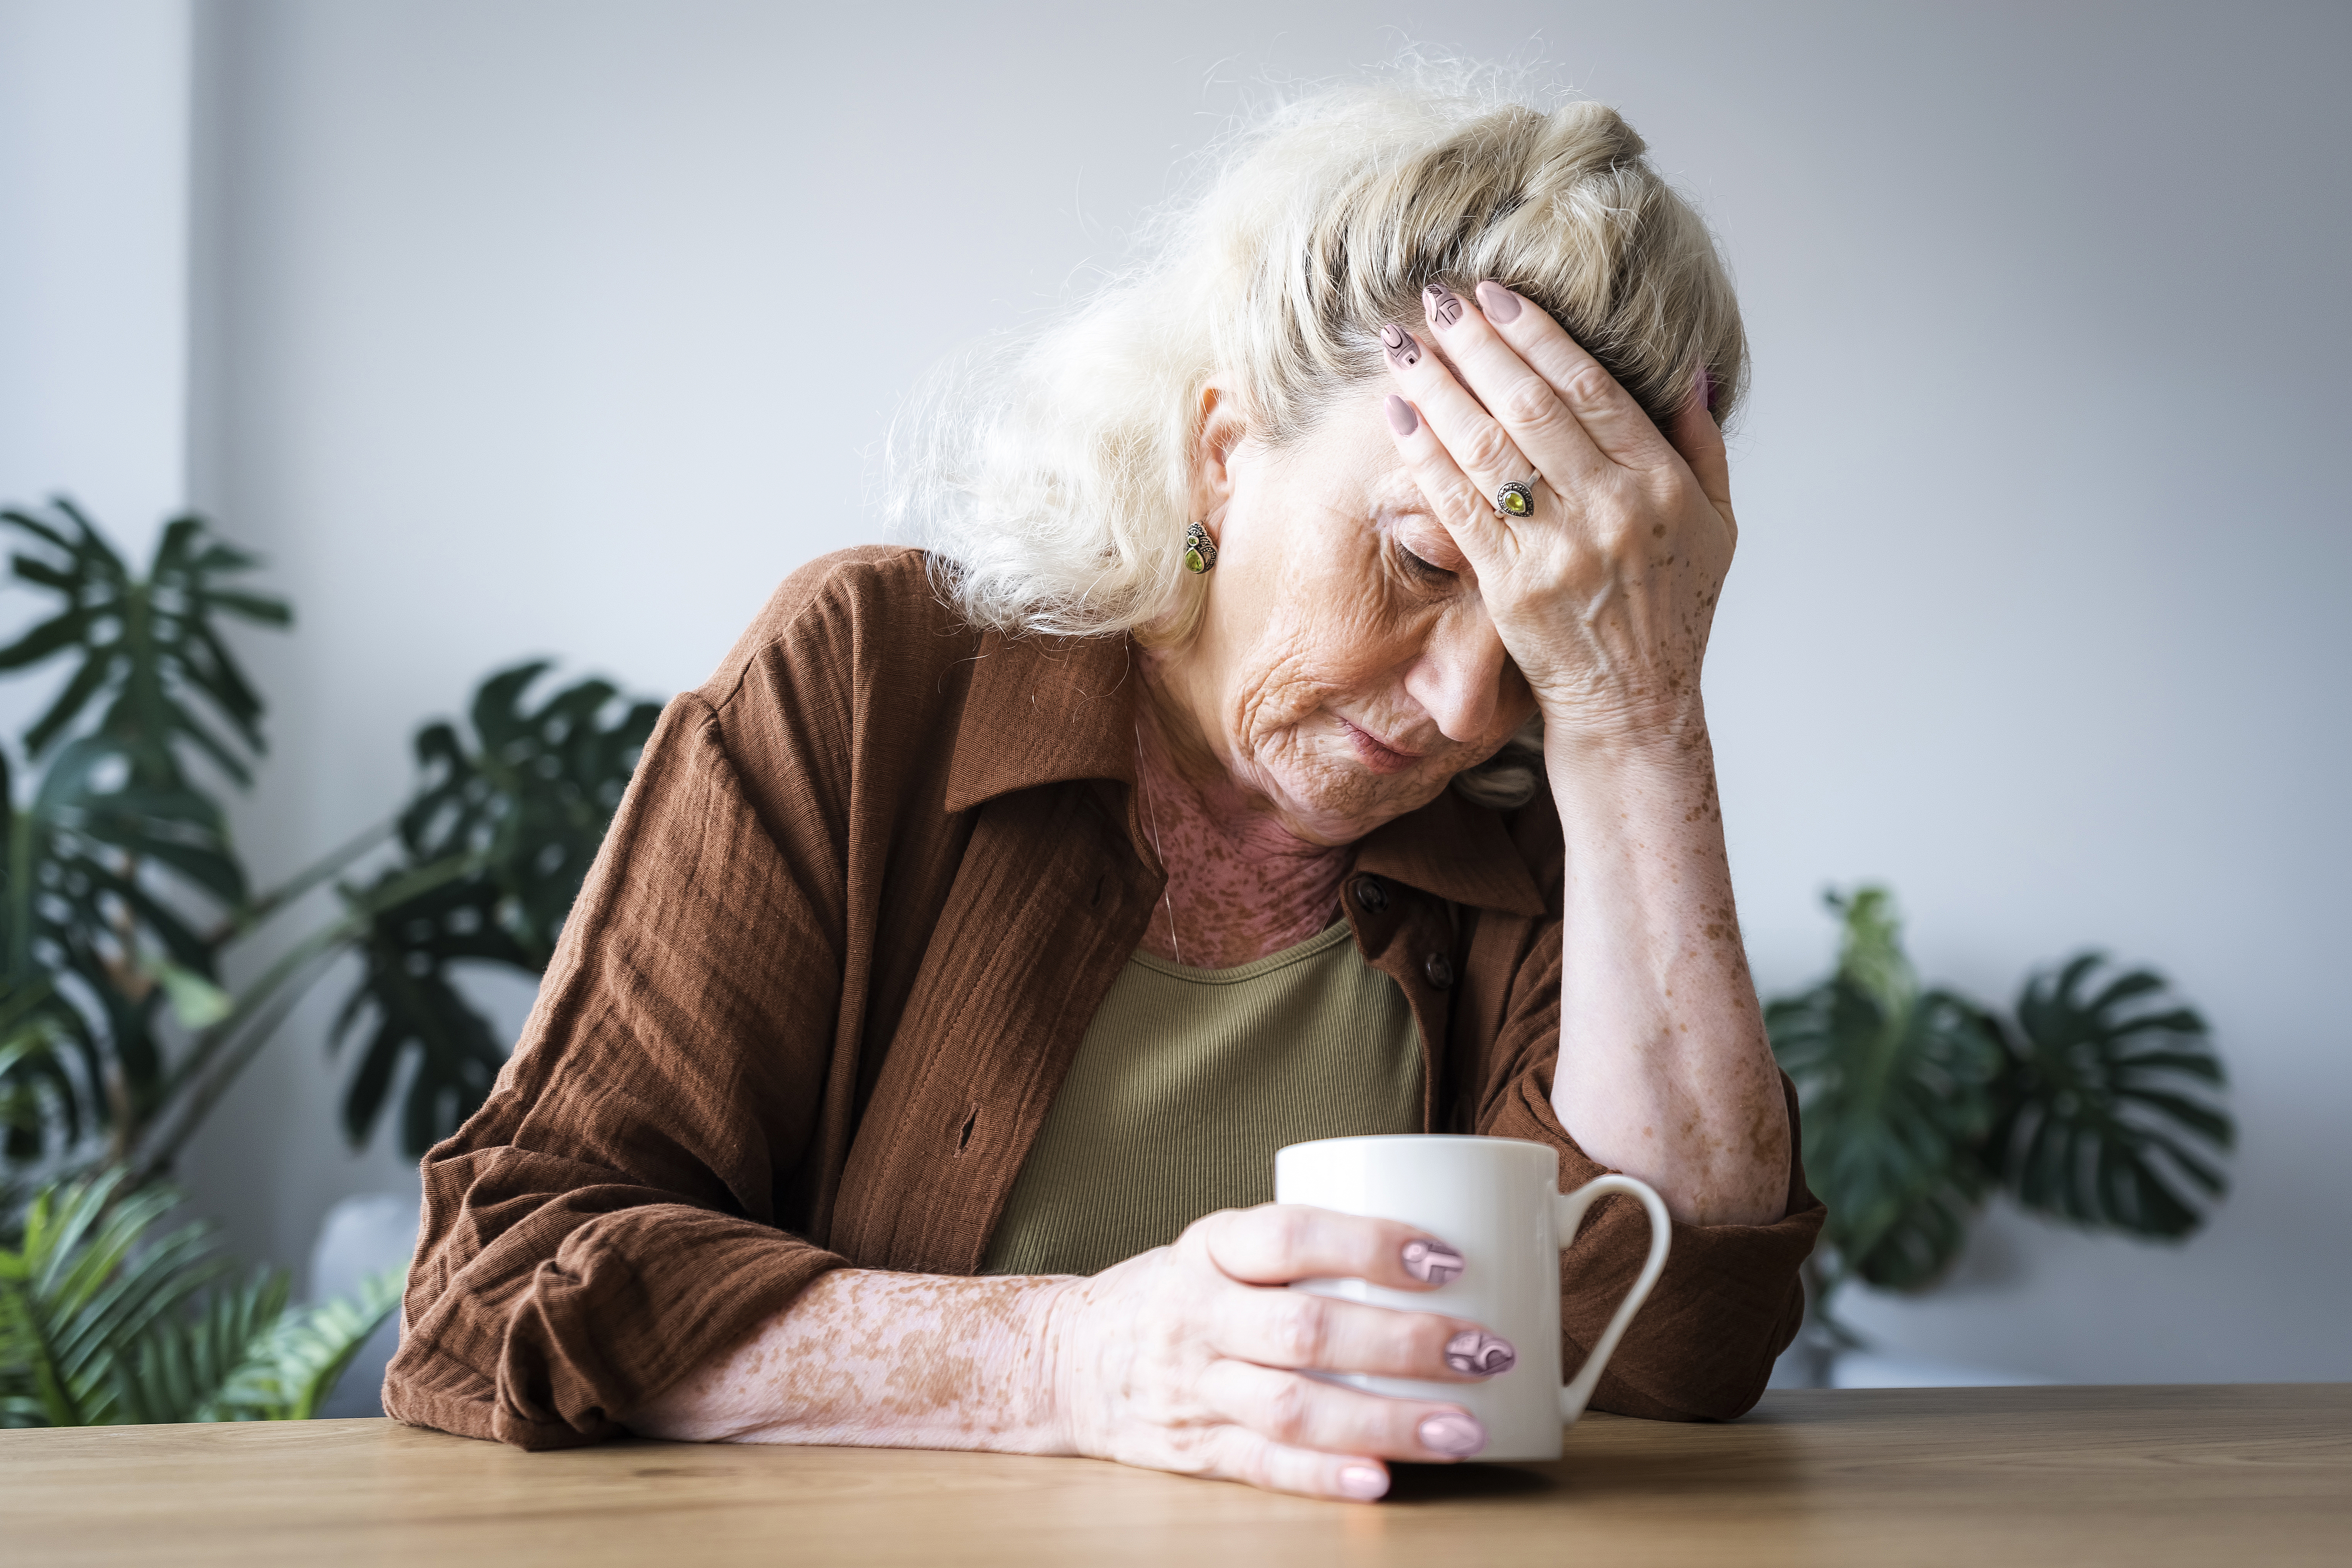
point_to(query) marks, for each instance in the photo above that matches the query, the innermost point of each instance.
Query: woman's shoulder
(869, 604)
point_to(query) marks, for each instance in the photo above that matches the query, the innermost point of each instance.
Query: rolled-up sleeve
(1731, 1298)
(607, 1220)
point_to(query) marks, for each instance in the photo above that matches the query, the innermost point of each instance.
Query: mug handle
(1568, 1213)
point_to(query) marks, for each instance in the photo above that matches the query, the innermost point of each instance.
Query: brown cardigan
(866, 891)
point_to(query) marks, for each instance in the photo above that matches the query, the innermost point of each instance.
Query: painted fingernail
(1456, 1436)
(1363, 1481)
(1478, 1353)
(1706, 389)
(1401, 346)
(1401, 418)
(1499, 303)
(1443, 305)
(1433, 1262)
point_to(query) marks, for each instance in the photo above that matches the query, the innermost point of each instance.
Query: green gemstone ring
(1516, 498)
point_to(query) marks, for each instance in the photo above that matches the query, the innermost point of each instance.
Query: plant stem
(223, 1051)
(258, 909)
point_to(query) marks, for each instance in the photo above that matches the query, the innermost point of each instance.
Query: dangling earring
(1200, 550)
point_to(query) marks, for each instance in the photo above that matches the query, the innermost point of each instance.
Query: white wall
(94, 257)
(561, 327)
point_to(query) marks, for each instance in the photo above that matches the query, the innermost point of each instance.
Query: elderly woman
(1294, 731)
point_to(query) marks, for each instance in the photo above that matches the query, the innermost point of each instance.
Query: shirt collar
(1047, 711)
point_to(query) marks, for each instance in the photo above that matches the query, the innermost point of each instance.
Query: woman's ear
(1222, 429)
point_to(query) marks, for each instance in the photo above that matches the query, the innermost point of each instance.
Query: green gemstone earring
(1200, 550)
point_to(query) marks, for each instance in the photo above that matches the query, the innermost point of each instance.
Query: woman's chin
(1339, 801)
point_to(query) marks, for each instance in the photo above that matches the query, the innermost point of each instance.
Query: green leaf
(297, 1366)
(195, 1001)
(2105, 1117)
(82, 1291)
(61, 630)
(1894, 1090)
(525, 805)
(124, 859)
(186, 1368)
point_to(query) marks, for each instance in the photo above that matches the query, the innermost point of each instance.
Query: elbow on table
(1692, 1370)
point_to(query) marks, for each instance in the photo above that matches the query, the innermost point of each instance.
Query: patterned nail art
(1433, 1262)
(1443, 305)
(1458, 1436)
(1480, 1355)
(1401, 346)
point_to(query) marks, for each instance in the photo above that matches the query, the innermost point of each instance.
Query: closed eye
(1420, 569)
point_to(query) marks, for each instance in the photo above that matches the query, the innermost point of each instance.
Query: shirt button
(1370, 894)
(1440, 970)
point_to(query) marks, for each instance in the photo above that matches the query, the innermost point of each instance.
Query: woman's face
(1345, 667)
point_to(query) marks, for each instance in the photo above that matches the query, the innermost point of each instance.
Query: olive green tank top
(1187, 1082)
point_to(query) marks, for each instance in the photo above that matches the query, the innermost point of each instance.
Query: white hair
(1049, 474)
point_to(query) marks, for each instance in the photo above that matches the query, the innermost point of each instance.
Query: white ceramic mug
(1497, 1202)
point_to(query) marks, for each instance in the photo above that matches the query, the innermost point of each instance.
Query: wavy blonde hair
(1049, 474)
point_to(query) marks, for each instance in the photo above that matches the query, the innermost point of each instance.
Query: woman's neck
(1240, 885)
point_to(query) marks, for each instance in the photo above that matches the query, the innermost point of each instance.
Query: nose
(1459, 679)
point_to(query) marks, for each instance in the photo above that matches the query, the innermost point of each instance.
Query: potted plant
(2096, 1101)
(121, 894)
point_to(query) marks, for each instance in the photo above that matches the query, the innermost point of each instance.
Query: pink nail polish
(1480, 1355)
(1499, 303)
(1443, 305)
(1401, 346)
(1456, 1436)
(1433, 1262)
(1363, 1481)
(1403, 420)
(1706, 389)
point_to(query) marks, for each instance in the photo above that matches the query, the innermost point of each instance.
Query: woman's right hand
(1192, 1358)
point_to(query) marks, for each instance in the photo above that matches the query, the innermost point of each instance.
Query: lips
(1380, 756)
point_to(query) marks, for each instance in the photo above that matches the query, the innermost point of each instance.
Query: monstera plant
(122, 897)
(516, 817)
(2096, 1101)
(123, 891)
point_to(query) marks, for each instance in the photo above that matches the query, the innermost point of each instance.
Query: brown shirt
(865, 892)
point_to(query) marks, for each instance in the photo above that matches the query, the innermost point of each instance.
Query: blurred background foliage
(122, 898)
(2097, 1100)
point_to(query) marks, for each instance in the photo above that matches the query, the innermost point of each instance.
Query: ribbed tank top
(1186, 1083)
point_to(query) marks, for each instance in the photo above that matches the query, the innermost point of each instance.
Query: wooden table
(2244, 1477)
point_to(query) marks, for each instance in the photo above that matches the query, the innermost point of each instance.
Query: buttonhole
(963, 1139)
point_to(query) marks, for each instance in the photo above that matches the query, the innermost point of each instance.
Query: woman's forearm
(1665, 1069)
(867, 1358)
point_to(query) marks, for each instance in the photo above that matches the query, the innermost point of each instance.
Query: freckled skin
(1172, 1359)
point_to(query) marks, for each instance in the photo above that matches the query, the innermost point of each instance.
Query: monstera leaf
(121, 884)
(2106, 1115)
(2098, 1104)
(520, 812)
(148, 645)
(1895, 1088)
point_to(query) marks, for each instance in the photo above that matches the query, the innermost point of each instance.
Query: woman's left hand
(1604, 592)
